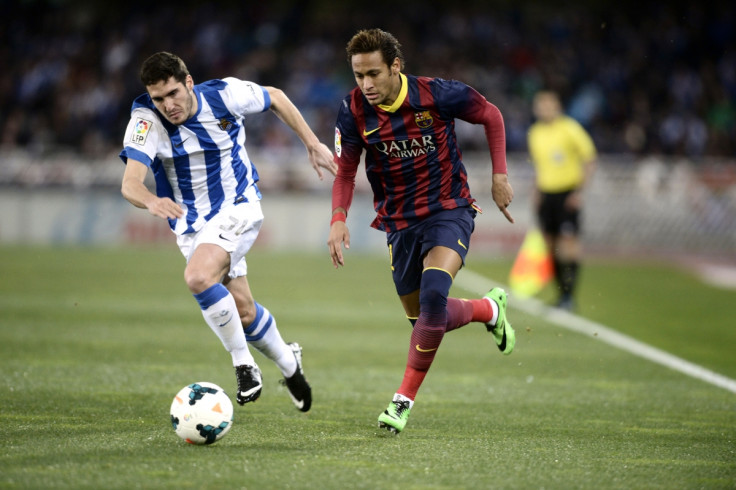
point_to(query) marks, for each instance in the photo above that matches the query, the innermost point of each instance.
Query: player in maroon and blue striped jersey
(405, 125)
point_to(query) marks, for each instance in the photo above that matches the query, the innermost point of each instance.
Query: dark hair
(162, 66)
(370, 40)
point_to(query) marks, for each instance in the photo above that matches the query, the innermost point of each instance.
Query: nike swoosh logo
(502, 347)
(461, 244)
(228, 321)
(366, 133)
(299, 403)
(226, 239)
(425, 350)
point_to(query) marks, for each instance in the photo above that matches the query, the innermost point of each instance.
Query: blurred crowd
(643, 79)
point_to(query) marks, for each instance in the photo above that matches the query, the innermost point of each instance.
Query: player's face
(379, 82)
(175, 100)
(546, 107)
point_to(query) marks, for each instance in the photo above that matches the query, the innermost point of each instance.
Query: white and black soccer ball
(201, 413)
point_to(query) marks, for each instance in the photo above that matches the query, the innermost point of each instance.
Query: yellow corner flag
(533, 266)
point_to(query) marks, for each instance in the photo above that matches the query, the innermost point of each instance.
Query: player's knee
(435, 288)
(197, 281)
(569, 247)
(430, 296)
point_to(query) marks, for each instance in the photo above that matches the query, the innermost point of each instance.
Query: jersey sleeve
(458, 100)
(142, 136)
(243, 97)
(348, 149)
(582, 140)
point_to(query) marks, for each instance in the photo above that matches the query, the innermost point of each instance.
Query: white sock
(401, 398)
(221, 314)
(494, 309)
(263, 334)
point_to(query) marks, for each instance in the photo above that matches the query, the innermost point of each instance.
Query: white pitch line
(478, 284)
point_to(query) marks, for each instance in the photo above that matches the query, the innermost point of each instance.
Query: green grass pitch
(94, 343)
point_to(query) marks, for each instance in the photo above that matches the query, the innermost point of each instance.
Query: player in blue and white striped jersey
(192, 138)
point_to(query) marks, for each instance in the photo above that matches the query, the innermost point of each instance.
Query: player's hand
(574, 200)
(163, 207)
(502, 194)
(320, 157)
(339, 234)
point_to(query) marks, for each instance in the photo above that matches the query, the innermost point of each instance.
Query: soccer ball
(201, 413)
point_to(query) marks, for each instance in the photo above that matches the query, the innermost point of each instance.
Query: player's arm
(136, 192)
(320, 155)
(480, 111)
(588, 170)
(574, 200)
(348, 150)
(343, 189)
(588, 155)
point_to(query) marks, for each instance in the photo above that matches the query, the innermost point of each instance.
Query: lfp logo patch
(423, 119)
(338, 143)
(140, 131)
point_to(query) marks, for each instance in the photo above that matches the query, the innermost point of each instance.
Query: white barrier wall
(648, 207)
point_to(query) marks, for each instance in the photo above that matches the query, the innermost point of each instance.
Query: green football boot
(395, 416)
(503, 334)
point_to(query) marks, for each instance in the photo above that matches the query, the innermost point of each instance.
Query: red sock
(482, 311)
(413, 379)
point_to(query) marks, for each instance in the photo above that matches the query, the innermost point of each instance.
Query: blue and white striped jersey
(202, 164)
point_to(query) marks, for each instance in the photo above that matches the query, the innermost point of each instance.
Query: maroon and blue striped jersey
(412, 158)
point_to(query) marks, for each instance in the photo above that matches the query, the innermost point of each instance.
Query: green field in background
(94, 343)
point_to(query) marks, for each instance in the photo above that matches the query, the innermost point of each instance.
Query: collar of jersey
(198, 93)
(400, 98)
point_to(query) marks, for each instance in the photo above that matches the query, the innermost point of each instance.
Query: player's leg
(242, 225)
(568, 263)
(215, 254)
(567, 251)
(205, 269)
(427, 334)
(549, 216)
(262, 333)
(203, 274)
(444, 241)
(451, 230)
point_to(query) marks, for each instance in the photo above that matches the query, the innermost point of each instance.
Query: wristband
(339, 216)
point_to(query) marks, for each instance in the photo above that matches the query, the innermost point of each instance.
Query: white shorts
(234, 228)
